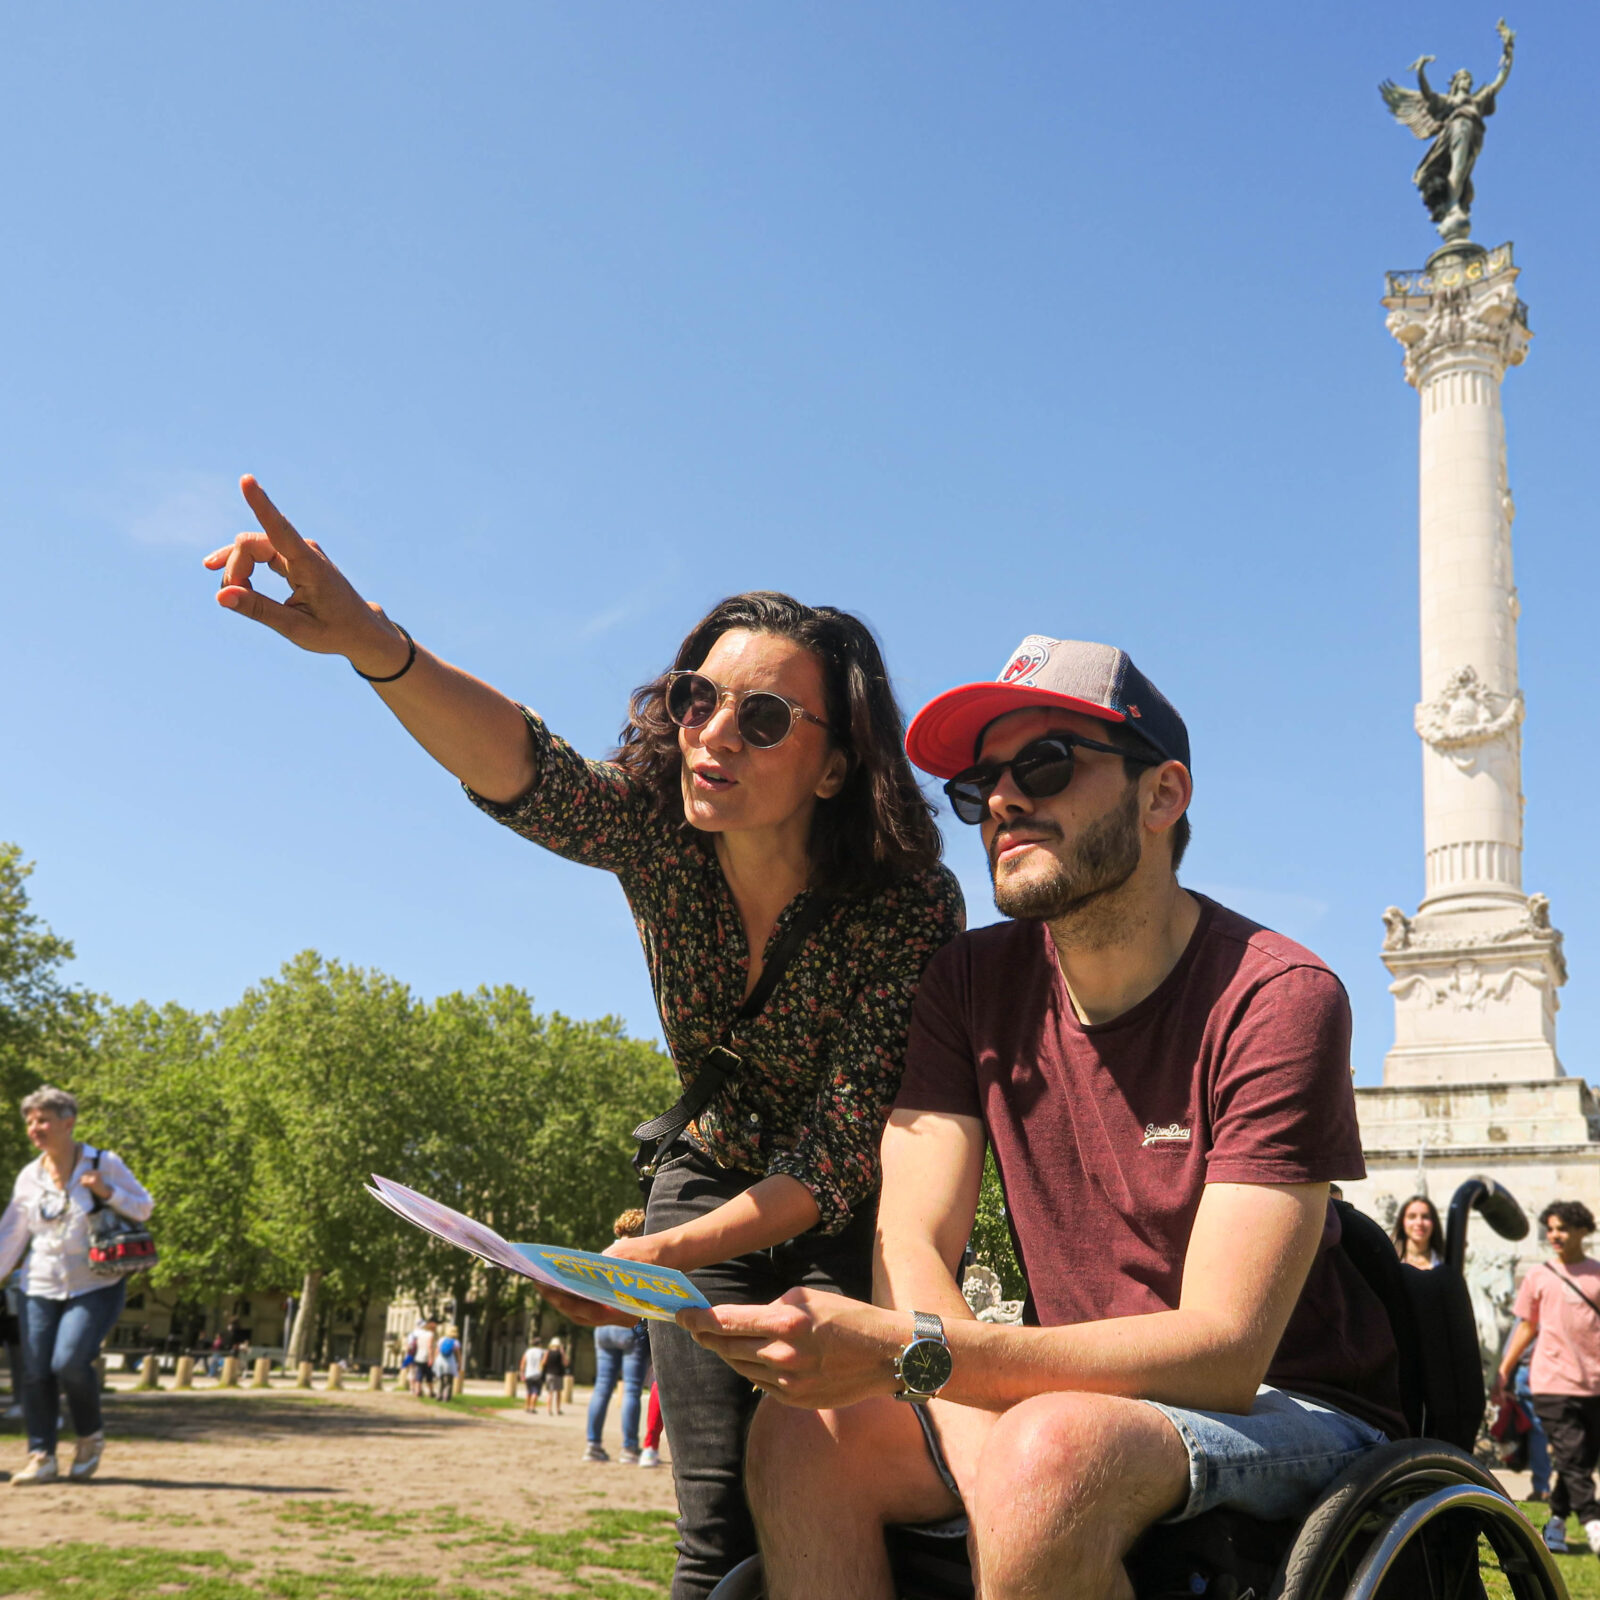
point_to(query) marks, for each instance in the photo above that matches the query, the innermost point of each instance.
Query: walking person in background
(650, 1455)
(1418, 1234)
(67, 1308)
(1559, 1305)
(554, 1372)
(447, 1365)
(532, 1375)
(772, 842)
(619, 1353)
(1538, 1446)
(427, 1337)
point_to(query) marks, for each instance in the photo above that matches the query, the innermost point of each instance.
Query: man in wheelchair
(1166, 1089)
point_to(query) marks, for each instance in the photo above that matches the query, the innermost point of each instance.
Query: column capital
(1462, 310)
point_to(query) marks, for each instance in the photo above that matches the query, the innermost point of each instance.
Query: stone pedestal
(184, 1379)
(230, 1372)
(263, 1376)
(1477, 968)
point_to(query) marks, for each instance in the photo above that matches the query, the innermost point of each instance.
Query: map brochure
(655, 1292)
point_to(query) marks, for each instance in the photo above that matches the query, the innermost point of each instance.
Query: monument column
(1476, 970)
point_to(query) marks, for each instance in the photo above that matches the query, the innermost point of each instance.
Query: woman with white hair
(67, 1307)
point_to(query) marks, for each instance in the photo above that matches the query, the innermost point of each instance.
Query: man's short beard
(1106, 855)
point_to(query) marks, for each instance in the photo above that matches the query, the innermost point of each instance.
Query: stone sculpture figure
(1454, 122)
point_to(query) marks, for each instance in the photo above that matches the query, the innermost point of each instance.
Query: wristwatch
(922, 1369)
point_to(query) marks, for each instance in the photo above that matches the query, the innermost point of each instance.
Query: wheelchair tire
(1400, 1493)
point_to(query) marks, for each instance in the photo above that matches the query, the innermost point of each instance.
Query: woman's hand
(323, 613)
(650, 1250)
(95, 1182)
(586, 1313)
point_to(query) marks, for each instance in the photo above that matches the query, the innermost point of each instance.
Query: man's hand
(808, 1349)
(323, 613)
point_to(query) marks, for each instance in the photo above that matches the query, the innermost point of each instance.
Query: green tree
(991, 1233)
(151, 1086)
(42, 1018)
(321, 1079)
(528, 1129)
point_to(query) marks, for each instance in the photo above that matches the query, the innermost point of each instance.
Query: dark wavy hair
(879, 826)
(1573, 1214)
(1435, 1241)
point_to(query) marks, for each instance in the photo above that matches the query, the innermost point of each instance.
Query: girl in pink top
(1559, 1303)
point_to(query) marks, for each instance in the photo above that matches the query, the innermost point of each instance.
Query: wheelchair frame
(1404, 1522)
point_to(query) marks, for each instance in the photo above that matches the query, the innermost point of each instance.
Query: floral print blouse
(822, 1061)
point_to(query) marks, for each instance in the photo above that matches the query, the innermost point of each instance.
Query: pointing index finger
(277, 527)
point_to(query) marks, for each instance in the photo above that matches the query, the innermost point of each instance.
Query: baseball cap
(1096, 680)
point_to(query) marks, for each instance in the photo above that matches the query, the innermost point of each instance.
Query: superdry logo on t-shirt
(1173, 1133)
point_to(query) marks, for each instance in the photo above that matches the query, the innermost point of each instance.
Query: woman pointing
(760, 813)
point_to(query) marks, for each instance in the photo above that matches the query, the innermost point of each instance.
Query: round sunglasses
(1039, 769)
(764, 719)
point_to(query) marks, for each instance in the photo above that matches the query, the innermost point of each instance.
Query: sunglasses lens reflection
(764, 720)
(691, 700)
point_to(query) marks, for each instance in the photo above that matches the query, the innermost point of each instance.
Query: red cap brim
(943, 736)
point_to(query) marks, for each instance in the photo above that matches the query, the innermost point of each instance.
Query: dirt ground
(234, 1471)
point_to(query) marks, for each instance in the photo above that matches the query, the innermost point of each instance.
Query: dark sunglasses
(764, 719)
(1039, 769)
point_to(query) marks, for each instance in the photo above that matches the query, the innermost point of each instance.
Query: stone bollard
(184, 1378)
(303, 1377)
(149, 1375)
(511, 1386)
(566, 1389)
(230, 1373)
(336, 1375)
(375, 1379)
(263, 1371)
(100, 1374)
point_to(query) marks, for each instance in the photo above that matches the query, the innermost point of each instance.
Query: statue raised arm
(1454, 122)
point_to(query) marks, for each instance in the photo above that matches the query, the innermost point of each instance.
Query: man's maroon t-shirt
(1235, 1070)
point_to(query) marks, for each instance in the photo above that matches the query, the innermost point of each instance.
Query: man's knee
(867, 1461)
(1072, 1451)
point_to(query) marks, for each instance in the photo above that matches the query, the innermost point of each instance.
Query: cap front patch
(1025, 665)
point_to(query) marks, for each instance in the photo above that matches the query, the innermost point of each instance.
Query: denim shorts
(1270, 1464)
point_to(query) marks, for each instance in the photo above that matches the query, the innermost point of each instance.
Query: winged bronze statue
(1454, 122)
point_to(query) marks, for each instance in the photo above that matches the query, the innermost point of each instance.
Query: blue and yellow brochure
(659, 1293)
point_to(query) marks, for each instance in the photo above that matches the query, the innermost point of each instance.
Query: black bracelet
(410, 658)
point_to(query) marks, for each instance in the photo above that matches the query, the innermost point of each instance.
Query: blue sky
(555, 323)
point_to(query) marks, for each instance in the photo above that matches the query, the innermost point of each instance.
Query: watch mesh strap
(925, 1325)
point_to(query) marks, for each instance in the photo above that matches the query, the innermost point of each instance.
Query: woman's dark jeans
(706, 1405)
(60, 1341)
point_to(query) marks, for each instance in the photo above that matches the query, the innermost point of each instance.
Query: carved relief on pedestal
(1467, 988)
(1467, 713)
(1403, 933)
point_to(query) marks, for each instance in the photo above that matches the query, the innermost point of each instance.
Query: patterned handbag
(118, 1248)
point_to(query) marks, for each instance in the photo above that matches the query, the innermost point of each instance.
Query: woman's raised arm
(465, 725)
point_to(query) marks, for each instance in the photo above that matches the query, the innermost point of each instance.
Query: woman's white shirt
(57, 1225)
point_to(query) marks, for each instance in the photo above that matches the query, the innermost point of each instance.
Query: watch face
(925, 1366)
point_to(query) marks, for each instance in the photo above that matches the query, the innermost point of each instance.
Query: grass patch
(615, 1555)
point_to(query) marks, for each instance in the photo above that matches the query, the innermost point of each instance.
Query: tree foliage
(991, 1233)
(257, 1129)
(42, 1018)
(151, 1086)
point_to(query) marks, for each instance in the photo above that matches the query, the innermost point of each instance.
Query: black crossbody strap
(1576, 1290)
(659, 1133)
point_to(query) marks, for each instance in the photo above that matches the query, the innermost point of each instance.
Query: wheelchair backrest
(1435, 1334)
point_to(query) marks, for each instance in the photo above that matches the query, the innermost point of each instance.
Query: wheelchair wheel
(1417, 1522)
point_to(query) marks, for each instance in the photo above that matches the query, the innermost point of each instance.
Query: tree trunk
(305, 1312)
